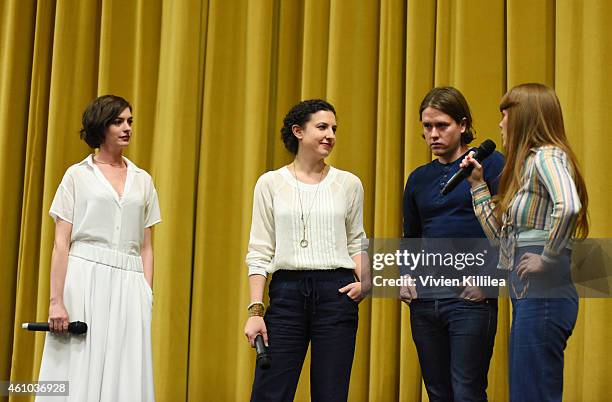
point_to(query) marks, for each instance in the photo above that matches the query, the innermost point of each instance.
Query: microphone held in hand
(482, 152)
(75, 327)
(263, 357)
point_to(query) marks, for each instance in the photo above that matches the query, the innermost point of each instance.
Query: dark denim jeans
(306, 307)
(454, 339)
(539, 334)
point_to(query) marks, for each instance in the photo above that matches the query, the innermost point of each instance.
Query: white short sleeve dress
(105, 288)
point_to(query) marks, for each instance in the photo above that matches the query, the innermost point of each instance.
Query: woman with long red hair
(541, 205)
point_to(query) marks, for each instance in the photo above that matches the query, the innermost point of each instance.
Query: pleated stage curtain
(210, 81)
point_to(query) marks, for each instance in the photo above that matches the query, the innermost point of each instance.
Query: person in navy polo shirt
(453, 328)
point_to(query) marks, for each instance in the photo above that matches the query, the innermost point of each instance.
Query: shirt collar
(456, 161)
(130, 165)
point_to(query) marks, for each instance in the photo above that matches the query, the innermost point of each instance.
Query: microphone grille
(78, 327)
(488, 147)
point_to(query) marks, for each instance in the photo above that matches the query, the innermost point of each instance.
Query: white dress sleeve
(62, 206)
(152, 212)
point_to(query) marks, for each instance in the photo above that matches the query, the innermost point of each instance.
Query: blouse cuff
(257, 271)
(480, 194)
(358, 246)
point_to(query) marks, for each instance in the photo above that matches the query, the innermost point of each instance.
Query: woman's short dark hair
(300, 115)
(98, 115)
(450, 101)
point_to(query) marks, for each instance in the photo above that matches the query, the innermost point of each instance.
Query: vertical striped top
(333, 214)
(547, 200)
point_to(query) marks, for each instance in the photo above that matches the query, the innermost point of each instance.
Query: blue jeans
(454, 340)
(306, 307)
(539, 334)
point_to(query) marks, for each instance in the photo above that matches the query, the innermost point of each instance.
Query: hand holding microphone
(75, 327)
(470, 167)
(58, 321)
(58, 316)
(263, 357)
(257, 335)
(476, 175)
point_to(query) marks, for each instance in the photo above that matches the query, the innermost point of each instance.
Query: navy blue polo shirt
(429, 214)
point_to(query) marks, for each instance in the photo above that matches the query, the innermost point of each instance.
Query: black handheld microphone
(482, 152)
(263, 358)
(75, 327)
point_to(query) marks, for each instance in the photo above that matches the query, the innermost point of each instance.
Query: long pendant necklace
(304, 242)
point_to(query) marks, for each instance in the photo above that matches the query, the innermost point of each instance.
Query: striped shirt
(332, 222)
(546, 202)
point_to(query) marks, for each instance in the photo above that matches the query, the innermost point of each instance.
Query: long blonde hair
(535, 119)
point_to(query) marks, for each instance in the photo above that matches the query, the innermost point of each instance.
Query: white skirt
(112, 361)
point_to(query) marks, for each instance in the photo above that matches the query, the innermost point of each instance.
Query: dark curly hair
(300, 115)
(450, 101)
(98, 115)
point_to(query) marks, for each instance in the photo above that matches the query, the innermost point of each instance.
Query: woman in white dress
(102, 267)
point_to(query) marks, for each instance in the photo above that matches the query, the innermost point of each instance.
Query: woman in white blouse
(102, 266)
(307, 231)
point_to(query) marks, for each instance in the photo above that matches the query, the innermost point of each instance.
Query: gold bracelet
(256, 309)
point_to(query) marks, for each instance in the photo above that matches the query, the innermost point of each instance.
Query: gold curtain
(210, 81)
